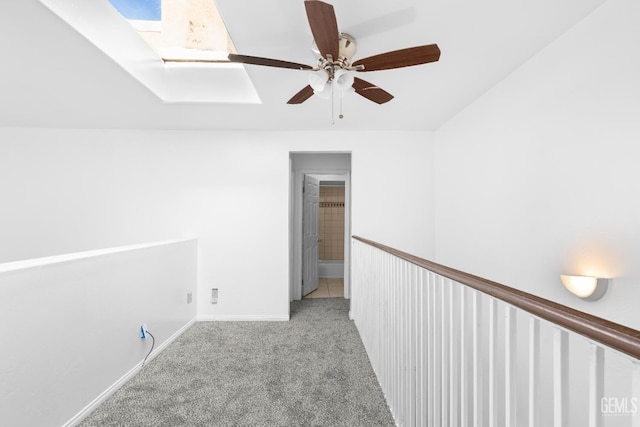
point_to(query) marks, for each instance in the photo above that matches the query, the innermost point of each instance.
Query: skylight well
(179, 30)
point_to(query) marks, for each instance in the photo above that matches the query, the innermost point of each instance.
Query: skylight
(179, 30)
(140, 10)
(189, 81)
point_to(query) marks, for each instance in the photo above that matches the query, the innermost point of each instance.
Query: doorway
(329, 217)
(333, 173)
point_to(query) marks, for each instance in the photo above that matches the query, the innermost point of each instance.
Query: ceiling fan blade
(324, 27)
(371, 91)
(301, 96)
(400, 58)
(256, 60)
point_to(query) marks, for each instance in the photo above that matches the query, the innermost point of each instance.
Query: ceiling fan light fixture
(334, 51)
(325, 93)
(318, 80)
(343, 79)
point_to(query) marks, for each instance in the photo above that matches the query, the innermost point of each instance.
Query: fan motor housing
(346, 49)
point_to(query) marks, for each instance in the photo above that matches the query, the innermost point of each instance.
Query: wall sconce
(585, 287)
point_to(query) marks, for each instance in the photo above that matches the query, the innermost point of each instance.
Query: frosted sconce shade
(585, 287)
(324, 93)
(344, 79)
(318, 80)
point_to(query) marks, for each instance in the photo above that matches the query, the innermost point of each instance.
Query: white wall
(73, 190)
(69, 325)
(392, 192)
(540, 176)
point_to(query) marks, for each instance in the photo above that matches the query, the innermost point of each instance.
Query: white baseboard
(241, 318)
(84, 413)
(87, 410)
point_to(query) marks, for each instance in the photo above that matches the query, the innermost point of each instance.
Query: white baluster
(534, 368)
(416, 340)
(477, 371)
(510, 401)
(493, 332)
(560, 378)
(426, 349)
(397, 356)
(596, 384)
(400, 398)
(436, 372)
(420, 356)
(409, 376)
(454, 367)
(444, 359)
(635, 393)
(464, 369)
(389, 373)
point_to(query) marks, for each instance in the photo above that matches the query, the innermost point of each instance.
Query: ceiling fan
(335, 51)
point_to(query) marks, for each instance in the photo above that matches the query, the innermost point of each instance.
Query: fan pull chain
(332, 120)
(341, 116)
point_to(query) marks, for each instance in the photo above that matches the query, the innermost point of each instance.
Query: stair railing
(453, 349)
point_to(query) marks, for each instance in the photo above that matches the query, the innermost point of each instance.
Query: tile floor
(328, 288)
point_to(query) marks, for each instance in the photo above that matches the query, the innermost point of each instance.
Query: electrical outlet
(143, 331)
(189, 297)
(214, 296)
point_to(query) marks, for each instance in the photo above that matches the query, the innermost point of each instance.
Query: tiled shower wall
(331, 223)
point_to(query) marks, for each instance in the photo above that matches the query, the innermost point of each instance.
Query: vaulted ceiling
(54, 76)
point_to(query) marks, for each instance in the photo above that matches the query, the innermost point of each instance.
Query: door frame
(295, 226)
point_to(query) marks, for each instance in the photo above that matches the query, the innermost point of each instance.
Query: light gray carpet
(310, 371)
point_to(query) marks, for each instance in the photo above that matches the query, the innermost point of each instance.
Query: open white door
(310, 235)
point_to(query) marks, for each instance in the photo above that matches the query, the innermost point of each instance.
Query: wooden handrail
(613, 335)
